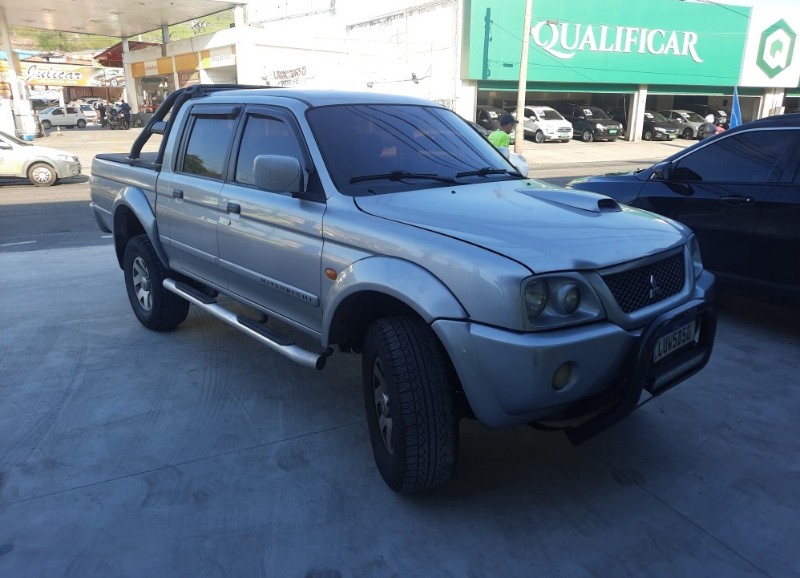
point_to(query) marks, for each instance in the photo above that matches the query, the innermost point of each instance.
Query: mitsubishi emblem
(655, 290)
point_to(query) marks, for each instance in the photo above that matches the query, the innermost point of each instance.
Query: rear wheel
(586, 136)
(42, 175)
(539, 137)
(155, 307)
(409, 395)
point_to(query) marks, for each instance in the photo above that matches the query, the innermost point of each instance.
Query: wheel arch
(378, 287)
(132, 216)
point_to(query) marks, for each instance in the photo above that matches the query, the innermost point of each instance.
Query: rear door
(719, 190)
(188, 195)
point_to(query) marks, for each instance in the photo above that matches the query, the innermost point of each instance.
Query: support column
(636, 114)
(771, 102)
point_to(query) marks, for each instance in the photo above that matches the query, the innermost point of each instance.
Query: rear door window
(746, 157)
(208, 145)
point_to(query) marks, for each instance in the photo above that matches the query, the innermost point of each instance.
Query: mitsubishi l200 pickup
(387, 226)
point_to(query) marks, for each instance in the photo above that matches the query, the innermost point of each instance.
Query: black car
(739, 191)
(489, 117)
(589, 122)
(655, 126)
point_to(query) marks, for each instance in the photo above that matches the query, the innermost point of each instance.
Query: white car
(89, 112)
(62, 116)
(543, 123)
(42, 166)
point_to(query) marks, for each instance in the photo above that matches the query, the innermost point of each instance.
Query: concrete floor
(129, 453)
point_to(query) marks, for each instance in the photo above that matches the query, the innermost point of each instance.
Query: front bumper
(507, 376)
(665, 135)
(66, 169)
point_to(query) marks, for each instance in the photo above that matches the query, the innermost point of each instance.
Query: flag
(736, 112)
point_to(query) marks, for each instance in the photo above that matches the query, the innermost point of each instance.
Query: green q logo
(776, 48)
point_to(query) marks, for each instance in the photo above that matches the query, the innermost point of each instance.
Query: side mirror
(280, 174)
(662, 171)
(159, 127)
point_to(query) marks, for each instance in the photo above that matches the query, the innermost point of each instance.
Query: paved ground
(127, 453)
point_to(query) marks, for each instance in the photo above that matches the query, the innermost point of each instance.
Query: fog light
(562, 377)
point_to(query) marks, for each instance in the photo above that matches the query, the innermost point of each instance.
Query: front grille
(637, 288)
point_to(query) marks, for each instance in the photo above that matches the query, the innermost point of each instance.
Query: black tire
(81, 123)
(538, 137)
(42, 175)
(46, 125)
(154, 307)
(647, 135)
(688, 133)
(612, 139)
(410, 398)
(586, 136)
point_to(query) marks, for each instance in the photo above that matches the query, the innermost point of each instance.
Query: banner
(50, 74)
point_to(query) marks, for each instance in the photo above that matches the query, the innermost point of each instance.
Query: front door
(270, 244)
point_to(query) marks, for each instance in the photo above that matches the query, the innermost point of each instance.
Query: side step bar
(250, 327)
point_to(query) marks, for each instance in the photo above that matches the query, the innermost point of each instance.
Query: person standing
(500, 138)
(125, 110)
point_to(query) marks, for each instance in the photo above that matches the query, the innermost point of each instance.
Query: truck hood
(546, 229)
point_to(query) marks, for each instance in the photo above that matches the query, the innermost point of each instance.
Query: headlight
(599, 126)
(560, 300)
(697, 259)
(68, 158)
(535, 298)
(660, 129)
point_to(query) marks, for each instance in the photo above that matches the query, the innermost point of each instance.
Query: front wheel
(42, 175)
(647, 135)
(155, 307)
(538, 137)
(46, 125)
(410, 399)
(688, 133)
(586, 136)
(81, 123)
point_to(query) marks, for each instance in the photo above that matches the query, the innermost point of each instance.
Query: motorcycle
(116, 120)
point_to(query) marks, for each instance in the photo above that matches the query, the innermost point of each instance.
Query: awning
(113, 56)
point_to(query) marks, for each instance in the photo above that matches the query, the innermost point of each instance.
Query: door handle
(737, 200)
(234, 208)
(177, 194)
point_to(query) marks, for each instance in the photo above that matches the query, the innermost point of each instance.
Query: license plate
(612, 131)
(672, 136)
(674, 340)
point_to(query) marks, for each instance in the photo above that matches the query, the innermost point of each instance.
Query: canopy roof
(116, 18)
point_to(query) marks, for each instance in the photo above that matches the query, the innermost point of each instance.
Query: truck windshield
(374, 149)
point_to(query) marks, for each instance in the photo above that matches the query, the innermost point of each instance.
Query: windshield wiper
(402, 175)
(485, 171)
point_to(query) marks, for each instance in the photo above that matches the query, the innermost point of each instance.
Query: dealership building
(651, 54)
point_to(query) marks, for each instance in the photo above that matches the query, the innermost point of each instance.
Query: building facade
(652, 54)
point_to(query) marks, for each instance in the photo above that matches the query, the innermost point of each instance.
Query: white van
(543, 123)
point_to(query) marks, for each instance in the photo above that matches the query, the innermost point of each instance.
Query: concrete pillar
(772, 102)
(13, 60)
(636, 114)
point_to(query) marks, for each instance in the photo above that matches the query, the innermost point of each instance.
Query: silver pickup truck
(388, 226)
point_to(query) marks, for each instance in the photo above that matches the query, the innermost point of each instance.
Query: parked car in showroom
(489, 117)
(543, 123)
(739, 191)
(42, 166)
(70, 116)
(655, 126)
(689, 121)
(720, 114)
(589, 122)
